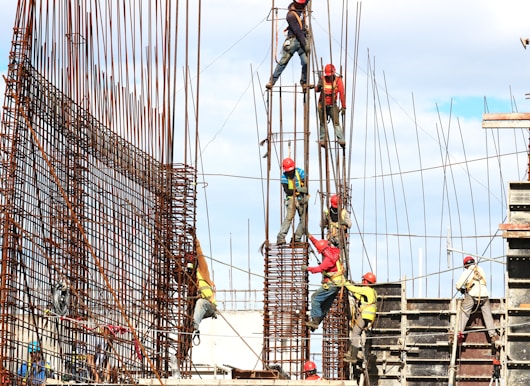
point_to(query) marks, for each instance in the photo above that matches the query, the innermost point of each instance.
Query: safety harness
(477, 278)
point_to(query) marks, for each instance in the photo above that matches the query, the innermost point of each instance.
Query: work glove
(307, 49)
(302, 190)
(304, 267)
(343, 111)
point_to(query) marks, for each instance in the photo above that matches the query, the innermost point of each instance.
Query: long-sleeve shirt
(473, 279)
(297, 180)
(330, 266)
(295, 28)
(366, 297)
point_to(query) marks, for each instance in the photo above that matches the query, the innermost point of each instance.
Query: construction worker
(296, 198)
(333, 222)
(330, 86)
(296, 41)
(472, 284)
(363, 305)
(332, 281)
(310, 371)
(36, 370)
(206, 305)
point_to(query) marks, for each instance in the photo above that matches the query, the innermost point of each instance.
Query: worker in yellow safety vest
(363, 303)
(334, 221)
(206, 305)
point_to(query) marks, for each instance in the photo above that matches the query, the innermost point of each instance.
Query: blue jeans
(203, 309)
(322, 299)
(287, 54)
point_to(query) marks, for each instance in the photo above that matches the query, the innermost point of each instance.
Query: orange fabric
(202, 265)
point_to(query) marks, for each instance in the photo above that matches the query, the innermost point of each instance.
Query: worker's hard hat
(320, 245)
(329, 70)
(288, 164)
(369, 277)
(309, 366)
(334, 201)
(300, 1)
(469, 260)
(33, 347)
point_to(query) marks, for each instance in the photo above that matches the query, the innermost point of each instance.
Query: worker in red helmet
(296, 199)
(310, 371)
(332, 280)
(330, 87)
(335, 223)
(363, 305)
(472, 284)
(296, 42)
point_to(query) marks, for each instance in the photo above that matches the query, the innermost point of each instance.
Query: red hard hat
(329, 70)
(309, 366)
(320, 245)
(369, 277)
(469, 260)
(288, 164)
(300, 1)
(334, 201)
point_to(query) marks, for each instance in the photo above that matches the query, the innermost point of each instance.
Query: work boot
(353, 355)
(313, 323)
(322, 143)
(342, 143)
(269, 85)
(280, 241)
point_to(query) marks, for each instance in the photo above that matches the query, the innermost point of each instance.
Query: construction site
(100, 184)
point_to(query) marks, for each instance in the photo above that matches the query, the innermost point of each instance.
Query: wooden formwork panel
(519, 350)
(518, 263)
(426, 381)
(425, 367)
(518, 376)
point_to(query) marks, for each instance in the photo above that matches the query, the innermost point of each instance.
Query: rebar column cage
(286, 338)
(95, 234)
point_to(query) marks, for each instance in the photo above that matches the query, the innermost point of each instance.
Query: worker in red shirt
(330, 87)
(332, 281)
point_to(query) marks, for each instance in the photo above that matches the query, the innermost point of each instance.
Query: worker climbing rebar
(296, 41)
(330, 86)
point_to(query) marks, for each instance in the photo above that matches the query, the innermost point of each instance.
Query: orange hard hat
(329, 70)
(288, 164)
(469, 260)
(369, 277)
(320, 245)
(334, 201)
(309, 366)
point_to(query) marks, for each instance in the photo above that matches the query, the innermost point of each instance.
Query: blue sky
(427, 59)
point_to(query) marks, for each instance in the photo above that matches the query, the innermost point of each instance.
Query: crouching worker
(363, 303)
(206, 305)
(332, 281)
